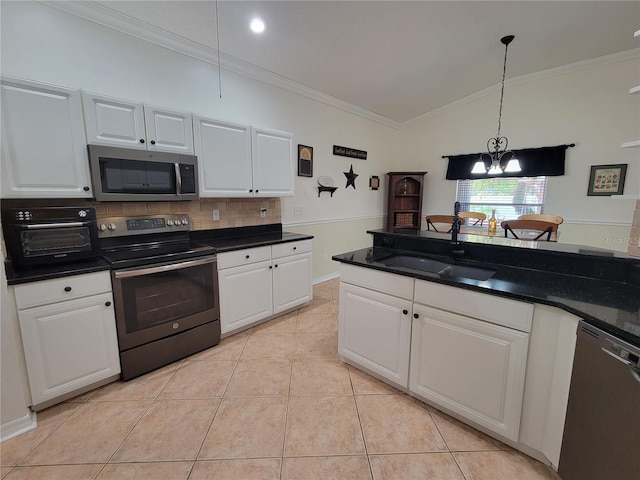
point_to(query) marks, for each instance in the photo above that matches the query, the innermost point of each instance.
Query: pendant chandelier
(498, 159)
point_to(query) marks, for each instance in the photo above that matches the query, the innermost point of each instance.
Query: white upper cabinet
(112, 121)
(224, 158)
(241, 161)
(44, 152)
(272, 161)
(168, 130)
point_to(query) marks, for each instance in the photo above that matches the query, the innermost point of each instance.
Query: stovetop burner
(135, 241)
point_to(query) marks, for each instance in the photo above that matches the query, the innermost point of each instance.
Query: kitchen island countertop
(602, 289)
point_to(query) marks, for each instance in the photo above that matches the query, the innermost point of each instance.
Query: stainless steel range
(165, 290)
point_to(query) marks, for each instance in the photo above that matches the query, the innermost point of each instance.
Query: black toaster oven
(37, 236)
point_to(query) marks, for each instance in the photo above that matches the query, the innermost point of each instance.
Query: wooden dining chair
(536, 225)
(542, 217)
(448, 219)
(479, 217)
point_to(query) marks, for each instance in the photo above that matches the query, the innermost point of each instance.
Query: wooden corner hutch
(405, 200)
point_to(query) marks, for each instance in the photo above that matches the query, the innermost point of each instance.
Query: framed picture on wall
(607, 180)
(305, 161)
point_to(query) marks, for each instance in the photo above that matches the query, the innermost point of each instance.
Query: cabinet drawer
(389, 283)
(290, 248)
(243, 257)
(491, 308)
(60, 289)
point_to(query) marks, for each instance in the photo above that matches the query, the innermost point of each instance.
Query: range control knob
(112, 226)
(170, 223)
(185, 221)
(82, 213)
(102, 227)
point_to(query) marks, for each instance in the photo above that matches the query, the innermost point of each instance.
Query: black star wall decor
(351, 178)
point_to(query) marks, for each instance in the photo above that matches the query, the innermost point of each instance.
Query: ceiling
(398, 60)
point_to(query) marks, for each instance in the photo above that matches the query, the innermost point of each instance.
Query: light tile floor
(274, 402)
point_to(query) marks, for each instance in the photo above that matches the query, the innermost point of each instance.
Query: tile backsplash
(234, 212)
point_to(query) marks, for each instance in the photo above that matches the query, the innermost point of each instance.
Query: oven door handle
(40, 226)
(163, 268)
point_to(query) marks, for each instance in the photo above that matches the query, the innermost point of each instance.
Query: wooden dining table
(522, 234)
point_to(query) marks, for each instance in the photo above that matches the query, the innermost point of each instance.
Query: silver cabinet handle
(162, 268)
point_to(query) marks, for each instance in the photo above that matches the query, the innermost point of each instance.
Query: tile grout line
(286, 414)
(222, 397)
(151, 403)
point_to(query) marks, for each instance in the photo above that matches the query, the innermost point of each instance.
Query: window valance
(534, 162)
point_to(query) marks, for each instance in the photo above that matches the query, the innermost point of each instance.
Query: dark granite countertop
(238, 238)
(223, 239)
(601, 286)
(35, 274)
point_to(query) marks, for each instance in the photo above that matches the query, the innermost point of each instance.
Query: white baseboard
(325, 278)
(18, 426)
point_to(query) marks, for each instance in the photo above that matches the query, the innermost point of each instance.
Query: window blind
(510, 197)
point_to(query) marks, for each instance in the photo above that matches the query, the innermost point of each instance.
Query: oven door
(157, 301)
(55, 242)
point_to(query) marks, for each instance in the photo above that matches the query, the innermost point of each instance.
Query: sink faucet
(457, 251)
(455, 228)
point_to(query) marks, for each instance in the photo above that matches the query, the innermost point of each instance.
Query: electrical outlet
(216, 214)
(326, 257)
(263, 212)
(297, 211)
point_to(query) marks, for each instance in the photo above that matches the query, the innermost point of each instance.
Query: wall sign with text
(349, 152)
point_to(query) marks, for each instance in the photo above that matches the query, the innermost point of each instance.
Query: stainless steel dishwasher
(602, 428)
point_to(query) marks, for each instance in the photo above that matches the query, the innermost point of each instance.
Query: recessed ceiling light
(257, 25)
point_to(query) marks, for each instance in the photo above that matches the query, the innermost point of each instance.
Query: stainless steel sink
(422, 264)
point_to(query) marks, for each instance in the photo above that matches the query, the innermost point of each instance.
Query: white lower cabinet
(260, 282)
(245, 295)
(471, 367)
(69, 339)
(375, 332)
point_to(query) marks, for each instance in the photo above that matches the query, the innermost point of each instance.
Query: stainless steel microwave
(130, 175)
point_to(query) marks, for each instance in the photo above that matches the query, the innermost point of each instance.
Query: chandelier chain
(504, 72)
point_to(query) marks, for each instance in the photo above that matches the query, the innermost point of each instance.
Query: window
(510, 197)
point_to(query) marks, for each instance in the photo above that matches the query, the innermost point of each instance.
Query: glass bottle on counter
(493, 223)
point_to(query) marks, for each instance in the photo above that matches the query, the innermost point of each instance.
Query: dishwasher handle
(635, 373)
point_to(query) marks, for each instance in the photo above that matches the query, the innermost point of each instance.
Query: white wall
(589, 106)
(43, 44)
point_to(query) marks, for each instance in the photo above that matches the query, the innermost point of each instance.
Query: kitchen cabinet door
(69, 345)
(44, 152)
(272, 160)
(168, 131)
(224, 158)
(292, 283)
(375, 332)
(245, 295)
(471, 367)
(111, 121)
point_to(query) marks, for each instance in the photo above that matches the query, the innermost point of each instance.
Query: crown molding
(114, 20)
(633, 54)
